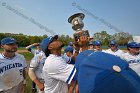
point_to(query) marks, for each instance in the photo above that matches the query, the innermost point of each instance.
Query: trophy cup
(77, 25)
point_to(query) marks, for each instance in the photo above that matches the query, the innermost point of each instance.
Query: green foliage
(24, 40)
(2, 36)
(122, 38)
(102, 36)
(65, 39)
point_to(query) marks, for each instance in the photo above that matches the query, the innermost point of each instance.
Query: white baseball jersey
(57, 74)
(35, 52)
(133, 60)
(66, 58)
(37, 64)
(95, 50)
(11, 71)
(116, 53)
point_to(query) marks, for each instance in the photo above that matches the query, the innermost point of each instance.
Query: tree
(2, 36)
(65, 39)
(102, 36)
(122, 38)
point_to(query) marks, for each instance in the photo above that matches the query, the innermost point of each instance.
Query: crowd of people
(83, 67)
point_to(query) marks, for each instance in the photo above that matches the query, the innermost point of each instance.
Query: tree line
(122, 38)
(24, 40)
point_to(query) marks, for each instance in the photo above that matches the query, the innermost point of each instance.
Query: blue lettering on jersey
(10, 66)
(134, 61)
(37, 52)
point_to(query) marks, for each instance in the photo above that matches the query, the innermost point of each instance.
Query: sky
(40, 17)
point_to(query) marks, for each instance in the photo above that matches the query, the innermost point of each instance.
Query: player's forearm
(30, 46)
(31, 74)
(72, 86)
(76, 89)
(75, 55)
(22, 87)
(37, 82)
(35, 79)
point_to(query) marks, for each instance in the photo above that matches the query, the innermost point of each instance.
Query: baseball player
(12, 67)
(95, 70)
(68, 55)
(114, 50)
(35, 71)
(133, 56)
(80, 45)
(56, 72)
(98, 46)
(35, 52)
(70, 44)
(91, 45)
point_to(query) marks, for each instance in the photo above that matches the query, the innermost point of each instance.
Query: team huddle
(84, 67)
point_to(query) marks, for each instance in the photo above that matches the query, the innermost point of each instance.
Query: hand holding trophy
(81, 37)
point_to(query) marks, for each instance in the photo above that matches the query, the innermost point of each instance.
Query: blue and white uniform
(133, 60)
(11, 71)
(57, 74)
(37, 64)
(95, 50)
(35, 52)
(66, 58)
(114, 49)
(118, 52)
(36, 67)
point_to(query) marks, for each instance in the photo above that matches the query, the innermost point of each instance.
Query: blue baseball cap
(45, 43)
(70, 43)
(112, 42)
(91, 43)
(8, 40)
(98, 43)
(133, 45)
(99, 72)
(68, 49)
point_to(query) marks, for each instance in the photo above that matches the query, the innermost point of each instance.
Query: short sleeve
(32, 50)
(34, 62)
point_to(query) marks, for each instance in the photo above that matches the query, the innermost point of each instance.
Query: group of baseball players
(80, 69)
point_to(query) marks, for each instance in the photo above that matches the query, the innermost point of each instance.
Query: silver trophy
(77, 25)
